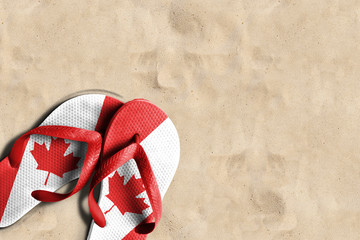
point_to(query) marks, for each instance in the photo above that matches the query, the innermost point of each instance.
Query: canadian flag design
(123, 198)
(53, 160)
(49, 163)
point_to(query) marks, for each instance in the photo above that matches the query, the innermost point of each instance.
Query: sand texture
(265, 96)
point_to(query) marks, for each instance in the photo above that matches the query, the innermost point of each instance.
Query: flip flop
(140, 155)
(66, 146)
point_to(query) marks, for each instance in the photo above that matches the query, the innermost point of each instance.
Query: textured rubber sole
(160, 141)
(49, 163)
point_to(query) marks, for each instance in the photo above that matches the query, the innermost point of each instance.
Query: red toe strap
(92, 138)
(136, 152)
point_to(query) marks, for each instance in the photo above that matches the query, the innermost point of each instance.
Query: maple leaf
(124, 196)
(53, 160)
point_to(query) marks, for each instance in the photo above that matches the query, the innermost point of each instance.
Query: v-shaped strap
(92, 138)
(133, 151)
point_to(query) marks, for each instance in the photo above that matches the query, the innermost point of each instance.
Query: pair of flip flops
(130, 149)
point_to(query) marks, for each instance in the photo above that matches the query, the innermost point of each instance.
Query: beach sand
(265, 96)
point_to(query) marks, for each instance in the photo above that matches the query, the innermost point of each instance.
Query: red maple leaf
(124, 196)
(53, 160)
